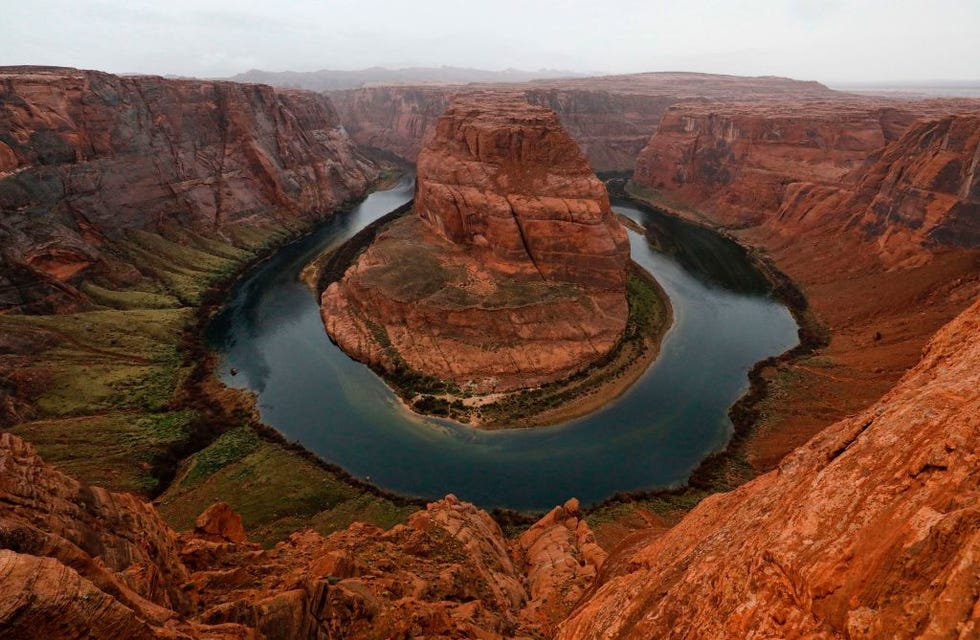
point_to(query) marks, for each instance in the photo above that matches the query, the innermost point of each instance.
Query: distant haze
(832, 41)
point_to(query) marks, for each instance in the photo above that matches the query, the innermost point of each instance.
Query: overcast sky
(831, 41)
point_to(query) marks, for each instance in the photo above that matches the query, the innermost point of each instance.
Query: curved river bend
(652, 436)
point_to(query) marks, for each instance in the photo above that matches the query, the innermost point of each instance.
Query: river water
(725, 321)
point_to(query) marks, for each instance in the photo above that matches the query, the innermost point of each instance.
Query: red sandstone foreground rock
(87, 159)
(870, 530)
(512, 272)
(78, 561)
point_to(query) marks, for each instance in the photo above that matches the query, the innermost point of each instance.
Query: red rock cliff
(87, 156)
(820, 188)
(735, 161)
(870, 530)
(610, 117)
(924, 189)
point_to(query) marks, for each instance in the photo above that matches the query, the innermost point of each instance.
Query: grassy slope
(107, 389)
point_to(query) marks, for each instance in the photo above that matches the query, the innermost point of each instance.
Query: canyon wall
(922, 190)
(867, 531)
(88, 157)
(736, 160)
(871, 209)
(886, 169)
(610, 117)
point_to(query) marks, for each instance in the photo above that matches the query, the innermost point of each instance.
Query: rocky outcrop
(87, 158)
(868, 531)
(923, 190)
(74, 561)
(45, 513)
(736, 161)
(512, 272)
(610, 117)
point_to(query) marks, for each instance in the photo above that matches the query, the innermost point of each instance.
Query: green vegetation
(275, 490)
(121, 395)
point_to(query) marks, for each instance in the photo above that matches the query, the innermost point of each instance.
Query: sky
(830, 41)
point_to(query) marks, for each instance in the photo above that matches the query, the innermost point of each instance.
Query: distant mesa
(512, 271)
(336, 79)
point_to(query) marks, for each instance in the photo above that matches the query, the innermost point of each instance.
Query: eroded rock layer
(795, 167)
(512, 272)
(87, 158)
(502, 174)
(868, 531)
(610, 117)
(78, 561)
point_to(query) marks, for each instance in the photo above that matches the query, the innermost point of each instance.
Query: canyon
(820, 191)
(611, 117)
(867, 531)
(853, 504)
(512, 271)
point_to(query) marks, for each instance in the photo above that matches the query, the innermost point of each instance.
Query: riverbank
(123, 395)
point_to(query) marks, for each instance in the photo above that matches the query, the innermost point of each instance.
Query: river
(725, 320)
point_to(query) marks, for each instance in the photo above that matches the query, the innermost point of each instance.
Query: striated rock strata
(88, 158)
(872, 210)
(512, 272)
(610, 117)
(78, 561)
(867, 531)
(801, 166)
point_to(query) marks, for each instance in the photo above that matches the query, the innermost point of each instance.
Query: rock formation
(735, 160)
(503, 175)
(923, 190)
(841, 217)
(512, 272)
(788, 166)
(77, 561)
(868, 531)
(86, 158)
(610, 117)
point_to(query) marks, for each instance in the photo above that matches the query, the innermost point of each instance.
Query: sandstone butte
(512, 271)
(90, 161)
